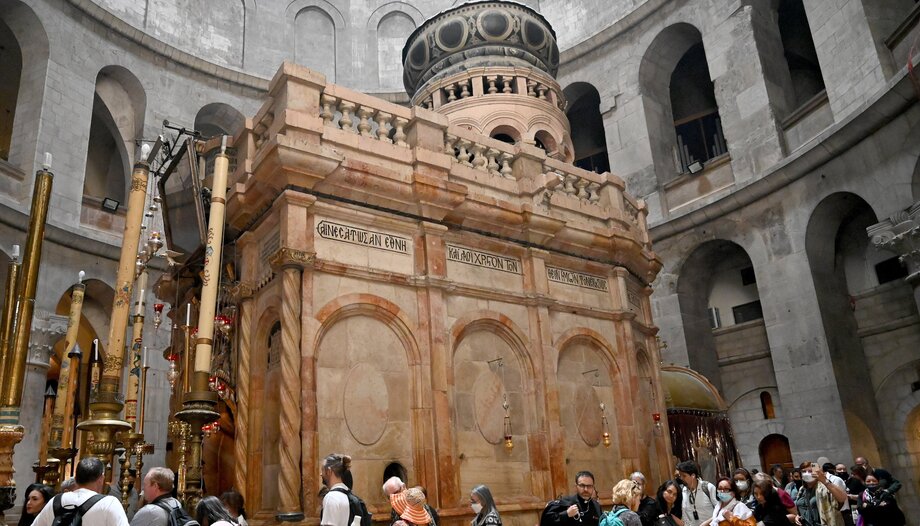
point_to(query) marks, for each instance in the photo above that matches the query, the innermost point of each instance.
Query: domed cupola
(491, 66)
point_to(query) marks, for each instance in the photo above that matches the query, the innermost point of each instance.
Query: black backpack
(175, 516)
(72, 515)
(356, 507)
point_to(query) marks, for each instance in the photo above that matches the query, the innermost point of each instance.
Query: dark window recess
(747, 276)
(503, 137)
(598, 163)
(699, 139)
(766, 405)
(890, 270)
(747, 312)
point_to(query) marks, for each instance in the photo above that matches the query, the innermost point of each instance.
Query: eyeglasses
(585, 486)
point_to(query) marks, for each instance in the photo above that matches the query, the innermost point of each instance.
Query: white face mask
(808, 478)
(477, 507)
(742, 485)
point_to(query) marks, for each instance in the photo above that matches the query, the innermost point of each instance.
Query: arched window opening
(799, 50)
(395, 469)
(314, 41)
(766, 405)
(504, 137)
(11, 66)
(392, 32)
(218, 119)
(587, 124)
(733, 296)
(106, 159)
(695, 111)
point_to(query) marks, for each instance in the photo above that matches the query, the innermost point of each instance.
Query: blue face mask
(725, 496)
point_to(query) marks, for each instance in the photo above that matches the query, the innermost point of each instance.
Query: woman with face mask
(484, 507)
(730, 511)
(877, 507)
(745, 484)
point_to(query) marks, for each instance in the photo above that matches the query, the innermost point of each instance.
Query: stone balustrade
(315, 135)
(482, 153)
(364, 115)
(484, 82)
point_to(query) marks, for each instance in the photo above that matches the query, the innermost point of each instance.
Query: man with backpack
(162, 509)
(699, 496)
(84, 506)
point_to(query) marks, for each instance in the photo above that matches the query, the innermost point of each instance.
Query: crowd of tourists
(814, 494)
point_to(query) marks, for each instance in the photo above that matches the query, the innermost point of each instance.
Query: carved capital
(901, 234)
(47, 329)
(288, 257)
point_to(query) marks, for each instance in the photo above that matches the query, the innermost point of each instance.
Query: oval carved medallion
(366, 404)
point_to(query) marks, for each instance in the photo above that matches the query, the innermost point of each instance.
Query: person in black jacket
(648, 507)
(580, 509)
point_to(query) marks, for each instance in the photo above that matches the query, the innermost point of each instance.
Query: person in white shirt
(90, 479)
(699, 496)
(336, 468)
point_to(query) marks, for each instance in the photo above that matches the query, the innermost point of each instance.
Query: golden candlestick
(200, 402)
(134, 371)
(11, 432)
(41, 467)
(8, 317)
(105, 408)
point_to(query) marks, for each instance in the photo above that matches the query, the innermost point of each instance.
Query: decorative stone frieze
(901, 234)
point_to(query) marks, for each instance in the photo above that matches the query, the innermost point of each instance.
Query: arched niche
(119, 103)
(587, 377)
(489, 368)
(392, 31)
(24, 62)
(717, 287)
(679, 102)
(218, 118)
(589, 140)
(366, 368)
(269, 427)
(836, 245)
(315, 40)
(799, 52)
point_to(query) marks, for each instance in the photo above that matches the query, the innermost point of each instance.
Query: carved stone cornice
(901, 234)
(291, 258)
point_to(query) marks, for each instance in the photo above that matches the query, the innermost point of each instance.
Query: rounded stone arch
(218, 118)
(697, 283)
(838, 252)
(593, 388)
(501, 325)
(319, 52)
(506, 120)
(656, 66)
(264, 460)
(376, 307)
(592, 337)
(588, 138)
(502, 131)
(549, 142)
(31, 39)
(368, 373)
(395, 7)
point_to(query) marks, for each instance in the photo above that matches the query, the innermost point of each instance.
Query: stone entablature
(328, 139)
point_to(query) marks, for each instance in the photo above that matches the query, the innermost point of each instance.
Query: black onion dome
(487, 33)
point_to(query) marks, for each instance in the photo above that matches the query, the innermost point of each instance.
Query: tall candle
(188, 314)
(144, 362)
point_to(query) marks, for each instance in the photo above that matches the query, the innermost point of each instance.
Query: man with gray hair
(68, 485)
(393, 485)
(157, 488)
(648, 507)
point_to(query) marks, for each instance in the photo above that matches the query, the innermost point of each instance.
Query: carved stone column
(290, 263)
(241, 439)
(901, 234)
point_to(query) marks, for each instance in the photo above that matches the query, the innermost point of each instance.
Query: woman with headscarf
(877, 507)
